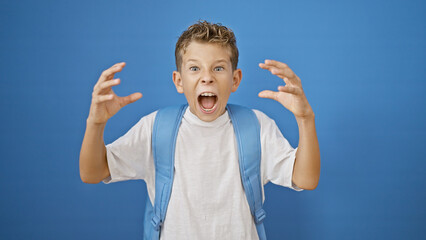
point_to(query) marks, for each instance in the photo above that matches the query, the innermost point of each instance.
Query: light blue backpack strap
(166, 127)
(147, 226)
(247, 131)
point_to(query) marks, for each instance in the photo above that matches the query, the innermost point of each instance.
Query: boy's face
(207, 79)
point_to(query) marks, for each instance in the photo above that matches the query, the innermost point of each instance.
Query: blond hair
(206, 32)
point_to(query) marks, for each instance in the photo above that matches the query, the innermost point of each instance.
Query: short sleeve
(130, 156)
(278, 156)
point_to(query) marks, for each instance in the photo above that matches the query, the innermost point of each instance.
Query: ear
(238, 75)
(177, 80)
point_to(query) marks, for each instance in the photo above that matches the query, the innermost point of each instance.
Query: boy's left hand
(291, 96)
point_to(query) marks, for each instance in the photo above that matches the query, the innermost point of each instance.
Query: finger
(286, 70)
(278, 72)
(109, 73)
(287, 81)
(264, 66)
(282, 74)
(103, 98)
(289, 89)
(276, 63)
(104, 86)
(268, 94)
(130, 99)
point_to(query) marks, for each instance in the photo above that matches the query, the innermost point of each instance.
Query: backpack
(165, 130)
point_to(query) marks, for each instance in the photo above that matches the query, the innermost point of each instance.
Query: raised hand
(105, 103)
(291, 96)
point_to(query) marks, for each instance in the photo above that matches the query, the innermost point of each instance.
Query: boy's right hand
(105, 103)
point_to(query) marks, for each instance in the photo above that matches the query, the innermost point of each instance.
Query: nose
(207, 78)
(206, 81)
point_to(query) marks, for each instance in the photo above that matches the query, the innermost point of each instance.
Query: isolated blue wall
(362, 65)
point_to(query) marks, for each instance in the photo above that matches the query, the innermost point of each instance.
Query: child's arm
(306, 169)
(105, 103)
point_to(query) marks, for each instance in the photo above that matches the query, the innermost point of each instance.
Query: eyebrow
(221, 60)
(195, 60)
(217, 61)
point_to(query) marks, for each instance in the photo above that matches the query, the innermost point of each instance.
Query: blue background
(362, 65)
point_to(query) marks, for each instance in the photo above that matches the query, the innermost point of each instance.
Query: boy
(207, 199)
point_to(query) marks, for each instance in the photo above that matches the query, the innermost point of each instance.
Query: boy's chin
(207, 117)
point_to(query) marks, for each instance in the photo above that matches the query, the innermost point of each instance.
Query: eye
(194, 68)
(218, 69)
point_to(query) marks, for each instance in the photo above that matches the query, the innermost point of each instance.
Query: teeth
(208, 94)
(208, 110)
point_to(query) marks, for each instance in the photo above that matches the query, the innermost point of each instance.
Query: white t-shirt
(207, 199)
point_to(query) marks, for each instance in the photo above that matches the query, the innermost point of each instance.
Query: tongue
(207, 102)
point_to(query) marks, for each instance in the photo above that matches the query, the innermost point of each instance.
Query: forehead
(200, 51)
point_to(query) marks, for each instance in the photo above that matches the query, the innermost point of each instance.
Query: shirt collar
(218, 122)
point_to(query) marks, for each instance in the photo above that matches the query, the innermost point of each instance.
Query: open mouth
(207, 102)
